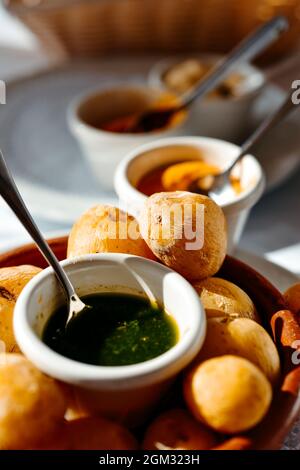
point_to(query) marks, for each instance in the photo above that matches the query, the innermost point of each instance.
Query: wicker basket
(95, 27)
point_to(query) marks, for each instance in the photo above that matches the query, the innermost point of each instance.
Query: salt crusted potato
(183, 237)
(12, 281)
(177, 430)
(95, 433)
(292, 297)
(32, 405)
(220, 297)
(228, 393)
(107, 229)
(242, 337)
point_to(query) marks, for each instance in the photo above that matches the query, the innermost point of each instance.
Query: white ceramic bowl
(165, 151)
(222, 118)
(104, 150)
(112, 391)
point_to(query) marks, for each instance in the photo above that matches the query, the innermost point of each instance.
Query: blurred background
(97, 27)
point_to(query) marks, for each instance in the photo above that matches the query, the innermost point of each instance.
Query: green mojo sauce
(118, 330)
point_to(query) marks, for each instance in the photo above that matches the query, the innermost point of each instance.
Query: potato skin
(292, 297)
(90, 433)
(12, 282)
(59, 440)
(220, 297)
(107, 229)
(168, 237)
(32, 405)
(245, 338)
(177, 430)
(95, 433)
(228, 393)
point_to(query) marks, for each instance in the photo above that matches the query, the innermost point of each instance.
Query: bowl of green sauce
(122, 353)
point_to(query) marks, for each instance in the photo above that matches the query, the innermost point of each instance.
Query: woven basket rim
(45, 6)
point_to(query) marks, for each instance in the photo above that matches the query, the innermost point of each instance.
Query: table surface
(273, 229)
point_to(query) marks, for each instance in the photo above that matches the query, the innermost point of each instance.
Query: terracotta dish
(284, 325)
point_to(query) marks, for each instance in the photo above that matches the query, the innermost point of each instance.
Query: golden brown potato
(292, 297)
(185, 231)
(235, 443)
(32, 405)
(95, 433)
(12, 281)
(242, 337)
(178, 430)
(107, 229)
(228, 393)
(220, 297)
(59, 440)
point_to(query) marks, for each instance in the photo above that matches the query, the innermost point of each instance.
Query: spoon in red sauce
(246, 50)
(219, 182)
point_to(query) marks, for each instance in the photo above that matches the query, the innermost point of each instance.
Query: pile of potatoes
(227, 389)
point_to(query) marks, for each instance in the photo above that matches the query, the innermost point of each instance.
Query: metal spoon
(219, 182)
(10, 193)
(245, 51)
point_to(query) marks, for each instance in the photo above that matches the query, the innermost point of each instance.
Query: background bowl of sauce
(96, 120)
(122, 357)
(224, 113)
(141, 173)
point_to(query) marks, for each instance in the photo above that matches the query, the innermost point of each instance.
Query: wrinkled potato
(95, 433)
(228, 393)
(242, 337)
(32, 405)
(220, 297)
(177, 430)
(191, 241)
(107, 229)
(292, 297)
(12, 281)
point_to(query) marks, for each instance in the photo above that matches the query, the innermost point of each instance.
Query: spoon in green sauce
(10, 193)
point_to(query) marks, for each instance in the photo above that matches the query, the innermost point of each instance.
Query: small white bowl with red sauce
(143, 167)
(94, 117)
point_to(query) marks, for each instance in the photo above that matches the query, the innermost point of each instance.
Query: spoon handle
(10, 193)
(246, 50)
(268, 123)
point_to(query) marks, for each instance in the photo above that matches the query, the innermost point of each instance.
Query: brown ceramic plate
(281, 323)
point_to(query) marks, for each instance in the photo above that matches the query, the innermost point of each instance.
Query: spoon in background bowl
(10, 193)
(246, 50)
(215, 185)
